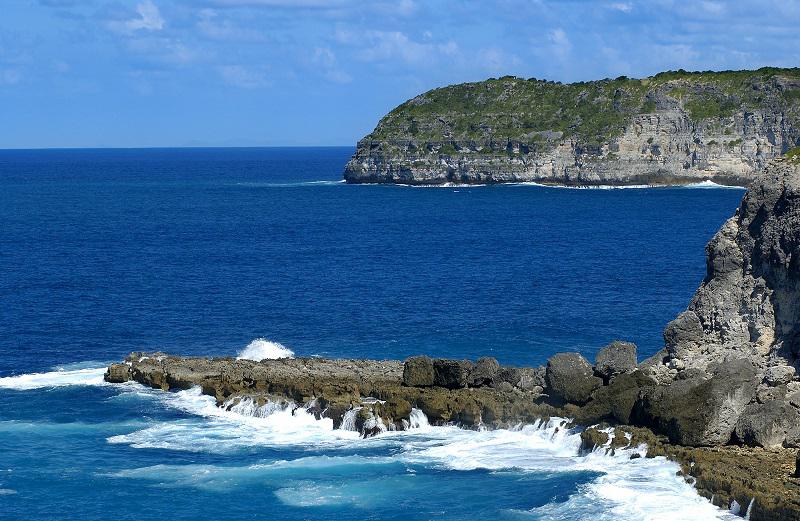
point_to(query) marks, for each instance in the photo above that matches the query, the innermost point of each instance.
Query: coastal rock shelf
(671, 128)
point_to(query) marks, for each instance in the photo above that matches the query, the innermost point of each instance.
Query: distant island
(673, 128)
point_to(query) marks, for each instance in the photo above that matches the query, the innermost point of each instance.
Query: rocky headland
(722, 398)
(675, 127)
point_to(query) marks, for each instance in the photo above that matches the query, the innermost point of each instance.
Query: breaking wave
(58, 378)
(711, 184)
(646, 489)
(263, 349)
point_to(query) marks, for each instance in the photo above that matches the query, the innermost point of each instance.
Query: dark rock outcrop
(616, 358)
(452, 374)
(418, 372)
(570, 377)
(484, 372)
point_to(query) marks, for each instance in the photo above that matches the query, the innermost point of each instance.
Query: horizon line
(199, 147)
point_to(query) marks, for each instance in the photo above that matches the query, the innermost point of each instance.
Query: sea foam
(263, 349)
(645, 489)
(58, 378)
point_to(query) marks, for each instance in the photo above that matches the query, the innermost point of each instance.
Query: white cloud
(625, 7)
(149, 19)
(326, 59)
(560, 43)
(394, 45)
(244, 77)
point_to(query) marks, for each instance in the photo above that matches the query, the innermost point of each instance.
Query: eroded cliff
(672, 128)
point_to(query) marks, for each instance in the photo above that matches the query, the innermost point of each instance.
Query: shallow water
(207, 251)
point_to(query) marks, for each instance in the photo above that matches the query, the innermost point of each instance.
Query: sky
(144, 73)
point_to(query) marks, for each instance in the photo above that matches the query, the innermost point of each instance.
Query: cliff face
(749, 302)
(672, 128)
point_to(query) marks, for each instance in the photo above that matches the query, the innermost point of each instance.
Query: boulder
(451, 374)
(616, 400)
(770, 425)
(699, 411)
(779, 374)
(525, 378)
(418, 372)
(571, 378)
(484, 372)
(117, 373)
(616, 358)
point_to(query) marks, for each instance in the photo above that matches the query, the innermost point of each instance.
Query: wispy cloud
(148, 18)
(326, 60)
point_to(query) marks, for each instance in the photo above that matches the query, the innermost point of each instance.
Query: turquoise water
(199, 251)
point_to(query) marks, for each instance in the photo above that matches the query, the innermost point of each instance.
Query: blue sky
(86, 73)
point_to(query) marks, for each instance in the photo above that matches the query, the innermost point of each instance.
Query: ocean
(266, 252)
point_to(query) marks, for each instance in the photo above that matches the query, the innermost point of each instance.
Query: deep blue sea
(209, 251)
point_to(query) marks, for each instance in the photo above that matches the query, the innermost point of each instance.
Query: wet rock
(570, 377)
(451, 374)
(592, 438)
(616, 358)
(418, 372)
(770, 425)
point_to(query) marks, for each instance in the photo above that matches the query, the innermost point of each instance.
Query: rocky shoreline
(722, 398)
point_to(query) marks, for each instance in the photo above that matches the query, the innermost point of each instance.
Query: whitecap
(263, 349)
(58, 378)
(708, 183)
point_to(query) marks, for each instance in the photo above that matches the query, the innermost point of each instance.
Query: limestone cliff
(672, 128)
(749, 303)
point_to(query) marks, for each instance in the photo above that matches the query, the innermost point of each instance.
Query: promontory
(676, 127)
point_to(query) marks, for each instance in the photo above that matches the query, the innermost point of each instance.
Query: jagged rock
(779, 374)
(698, 411)
(418, 372)
(570, 377)
(616, 358)
(451, 374)
(770, 425)
(484, 372)
(748, 302)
